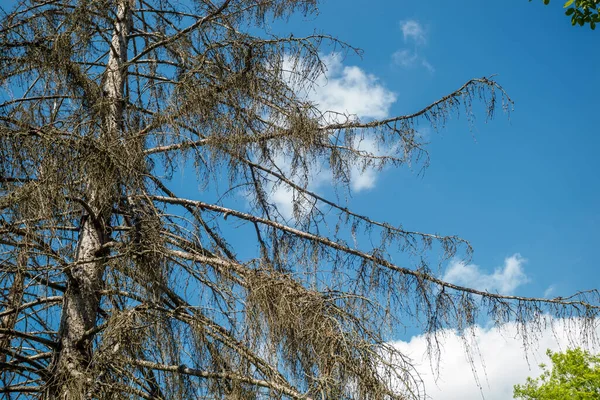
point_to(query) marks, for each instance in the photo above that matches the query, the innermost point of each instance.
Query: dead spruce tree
(113, 286)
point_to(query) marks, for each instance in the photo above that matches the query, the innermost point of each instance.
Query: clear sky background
(523, 190)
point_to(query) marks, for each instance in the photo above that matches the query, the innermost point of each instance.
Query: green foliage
(582, 12)
(575, 375)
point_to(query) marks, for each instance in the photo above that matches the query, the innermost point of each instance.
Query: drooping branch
(421, 276)
(439, 109)
(226, 376)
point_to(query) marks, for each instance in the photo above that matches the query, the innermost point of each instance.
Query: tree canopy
(574, 374)
(116, 286)
(582, 12)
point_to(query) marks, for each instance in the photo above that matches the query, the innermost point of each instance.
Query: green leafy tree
(575, 375)
(582, 12)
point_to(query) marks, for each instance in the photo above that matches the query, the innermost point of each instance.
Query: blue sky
(523, 189)
(525, 183)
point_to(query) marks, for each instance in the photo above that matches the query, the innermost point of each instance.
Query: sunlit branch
(373, 258)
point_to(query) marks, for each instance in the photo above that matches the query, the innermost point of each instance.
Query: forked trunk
(71, 378)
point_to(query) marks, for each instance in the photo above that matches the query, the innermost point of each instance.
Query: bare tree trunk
(15, 297)
(71, 377)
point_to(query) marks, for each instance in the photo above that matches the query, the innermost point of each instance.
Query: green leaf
(568, 3)
(570, 11)
(593, 25)
(574, 374)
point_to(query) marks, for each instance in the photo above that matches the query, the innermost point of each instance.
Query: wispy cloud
(499, 359)
(427, 65)
(549, 291)
(504, 279)
(405, 58)
(412, 30)
(414, 35)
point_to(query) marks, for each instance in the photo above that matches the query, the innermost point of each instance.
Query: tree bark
(71, 369)
(15, 298)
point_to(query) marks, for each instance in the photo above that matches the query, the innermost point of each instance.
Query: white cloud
(320, 177)
(342, 92)
(366, 179)
(283, 195)
(549, 291)
(283, 198)
(412, 30)
(350, 90)
(413, 33)
(504, 279)
(405, 58)
(499, 360)
(427, 65)
(363, 180)
(411, 59)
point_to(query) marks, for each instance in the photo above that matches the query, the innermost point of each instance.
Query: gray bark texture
(15, 297)
(85, 277)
